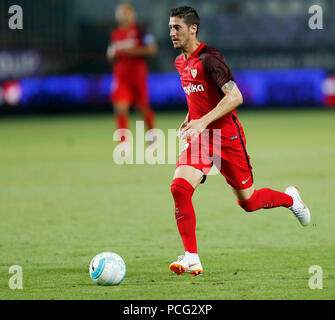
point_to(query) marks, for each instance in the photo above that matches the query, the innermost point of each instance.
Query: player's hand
(182, 126)
(193, 129)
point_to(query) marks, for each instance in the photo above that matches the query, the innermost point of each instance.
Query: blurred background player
(129, 45)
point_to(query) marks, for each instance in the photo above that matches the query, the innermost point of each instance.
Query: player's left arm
(232, 99)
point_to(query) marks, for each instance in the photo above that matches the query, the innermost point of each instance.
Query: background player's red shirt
(202, 76)
(127, 38)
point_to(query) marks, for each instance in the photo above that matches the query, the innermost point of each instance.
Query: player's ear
(194, 29)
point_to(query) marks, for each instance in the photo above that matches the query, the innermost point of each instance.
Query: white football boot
(299, 208)
(187, 263)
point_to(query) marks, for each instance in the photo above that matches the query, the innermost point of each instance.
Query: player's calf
(266, 199)
(182, 192)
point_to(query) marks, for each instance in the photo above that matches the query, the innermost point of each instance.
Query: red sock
(122, 122)
(182, 192)
(266, 199)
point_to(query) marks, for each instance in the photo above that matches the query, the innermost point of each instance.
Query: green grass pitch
(63, 200)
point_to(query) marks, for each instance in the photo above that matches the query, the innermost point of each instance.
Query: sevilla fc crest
(194, 72)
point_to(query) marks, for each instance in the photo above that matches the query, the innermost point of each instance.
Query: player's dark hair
(189, 15)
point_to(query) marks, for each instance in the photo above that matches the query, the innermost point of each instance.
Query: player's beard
(182, 44)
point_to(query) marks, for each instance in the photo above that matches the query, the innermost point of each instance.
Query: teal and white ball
(107, 269)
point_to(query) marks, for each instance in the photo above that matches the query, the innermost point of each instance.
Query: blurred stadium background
(57, 62)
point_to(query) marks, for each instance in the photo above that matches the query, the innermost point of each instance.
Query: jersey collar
(201, 45)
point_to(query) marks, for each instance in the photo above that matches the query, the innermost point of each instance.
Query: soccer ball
(107, 269)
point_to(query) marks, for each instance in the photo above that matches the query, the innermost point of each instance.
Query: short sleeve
(146, 37)
(215, 65)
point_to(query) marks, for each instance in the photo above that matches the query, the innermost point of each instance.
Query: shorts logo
(194, 72)
(193, 88)
(245, 181)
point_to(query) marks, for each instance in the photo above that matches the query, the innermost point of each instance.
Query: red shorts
(227, 153)
(133, 90)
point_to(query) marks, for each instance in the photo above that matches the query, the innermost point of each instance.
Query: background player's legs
(142, 102)
(185, 180)
(121, 98)
(121, 109)
(148, 115)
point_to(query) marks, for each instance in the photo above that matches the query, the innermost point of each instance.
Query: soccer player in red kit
(214, 135)
(128, 47)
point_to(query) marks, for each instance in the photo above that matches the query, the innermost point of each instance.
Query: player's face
(124, 14)
(180, 33)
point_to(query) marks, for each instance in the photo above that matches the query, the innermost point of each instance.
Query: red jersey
(127, 38)
(202, 76)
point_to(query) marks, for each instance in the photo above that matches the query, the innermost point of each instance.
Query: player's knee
(181, 189)
(251, 204)
(247, 207)
(145, 109)
(121, 109)
(177, 191)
